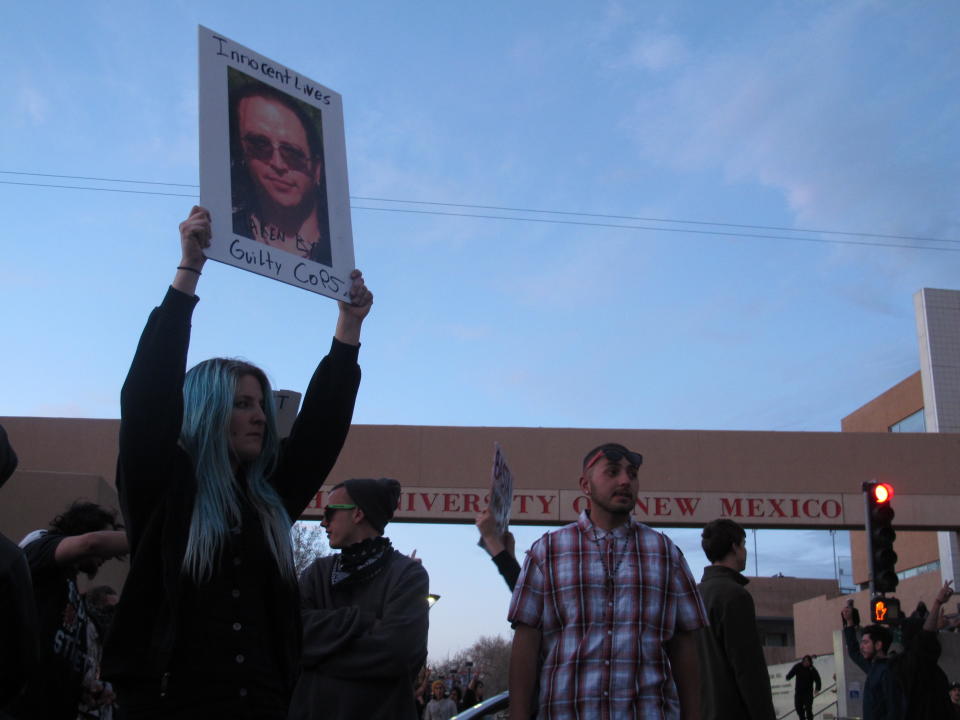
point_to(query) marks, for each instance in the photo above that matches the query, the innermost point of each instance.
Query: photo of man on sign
(277, 169)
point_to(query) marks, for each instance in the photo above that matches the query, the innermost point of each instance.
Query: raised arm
(194, 238)
(352, 314)
(320, 429)
(850, 636)
(151, 401)
(933, 618)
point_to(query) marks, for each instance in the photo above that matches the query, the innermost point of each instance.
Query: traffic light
(884, 609)
(880, 536)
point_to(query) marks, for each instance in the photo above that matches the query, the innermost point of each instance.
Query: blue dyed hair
(208, 395)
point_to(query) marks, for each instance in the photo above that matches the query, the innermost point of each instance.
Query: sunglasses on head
(329, 510)
(614, 455)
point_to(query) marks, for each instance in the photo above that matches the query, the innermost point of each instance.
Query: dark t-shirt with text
(54, 691)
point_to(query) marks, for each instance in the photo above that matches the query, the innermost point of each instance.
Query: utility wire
(653, 219)
(531, 210)
(533, 220)
(661, 229)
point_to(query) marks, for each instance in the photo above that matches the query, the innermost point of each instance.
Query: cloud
(844, 128)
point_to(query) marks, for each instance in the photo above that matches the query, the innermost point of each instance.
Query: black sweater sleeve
(310, 452)
(509, 568)
(151, 409)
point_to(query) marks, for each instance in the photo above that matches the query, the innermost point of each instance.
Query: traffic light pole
(868, 527)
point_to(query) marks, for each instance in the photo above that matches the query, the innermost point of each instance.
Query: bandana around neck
(361, 561)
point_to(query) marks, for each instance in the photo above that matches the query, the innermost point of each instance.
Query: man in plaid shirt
(605, 612)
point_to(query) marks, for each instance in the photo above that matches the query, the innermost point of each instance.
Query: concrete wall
(913, 547)
(888, 408)
(770, 478)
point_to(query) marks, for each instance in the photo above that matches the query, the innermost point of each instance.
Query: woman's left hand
(353, 313)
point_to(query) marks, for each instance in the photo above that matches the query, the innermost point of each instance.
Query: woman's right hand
(194, 237)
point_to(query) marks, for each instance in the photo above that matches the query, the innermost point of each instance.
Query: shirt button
(239, 659)
(237, 626)
(236, 561)
(243, 692)
(235, 592)
(609, 632)
(606, 662)
(610, 603)
(605, 693)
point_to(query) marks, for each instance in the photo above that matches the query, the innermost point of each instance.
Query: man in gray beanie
(364, 614)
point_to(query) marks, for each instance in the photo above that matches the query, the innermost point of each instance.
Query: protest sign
(501, 491)
(273, 169)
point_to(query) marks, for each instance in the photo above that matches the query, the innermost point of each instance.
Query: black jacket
(733, 672)
(807, 677)
(157, 484)
(363, 643)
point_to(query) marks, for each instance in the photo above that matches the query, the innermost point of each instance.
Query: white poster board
(501, 491)
(273, 169)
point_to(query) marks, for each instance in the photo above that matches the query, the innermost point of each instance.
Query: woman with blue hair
(208, 624)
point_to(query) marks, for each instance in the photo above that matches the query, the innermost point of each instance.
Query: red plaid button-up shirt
(603, 652)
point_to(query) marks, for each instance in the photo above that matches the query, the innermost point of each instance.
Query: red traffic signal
(882, 493)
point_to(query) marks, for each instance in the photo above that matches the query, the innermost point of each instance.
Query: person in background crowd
(910, 685)
(605, 611)
(736, 684)
(79, 540)
(924, 683)
(208, 624)
(807, 684)
(364, 613)
(19, 651)
(439, 707)
(955, 699)
(98, 698)
(421, 693)
(500, 547)
(882, 697)
(473, 694)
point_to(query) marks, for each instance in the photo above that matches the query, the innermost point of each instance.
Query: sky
(826, 127)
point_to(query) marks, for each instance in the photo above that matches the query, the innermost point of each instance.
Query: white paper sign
(501, 490)
(273, 169)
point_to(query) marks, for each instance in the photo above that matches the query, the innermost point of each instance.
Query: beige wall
(814, 620)
(763, 471)
(913, 548)
(888, 408)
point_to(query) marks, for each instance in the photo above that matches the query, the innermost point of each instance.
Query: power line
(778, 228)
(98, 179)
(661, 229)
(621, 226)
(662, 220)
(100, 189)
